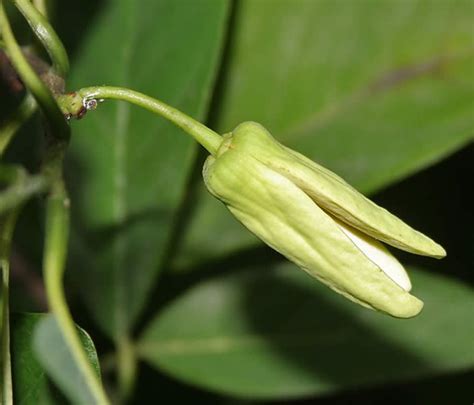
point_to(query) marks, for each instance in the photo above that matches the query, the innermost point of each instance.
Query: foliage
(164, 280)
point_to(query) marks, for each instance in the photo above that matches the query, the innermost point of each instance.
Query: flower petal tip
(408, 311)
(434, 250)
(440, 252)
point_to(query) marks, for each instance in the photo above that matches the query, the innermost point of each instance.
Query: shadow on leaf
(331, 343)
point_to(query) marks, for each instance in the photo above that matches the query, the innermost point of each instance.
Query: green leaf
(127, 167)
(374, 90)
(279, 334)
(34, 351)
(29, 380)
(56, 359)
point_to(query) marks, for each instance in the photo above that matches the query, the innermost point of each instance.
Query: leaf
(30, 382)
(127, 167)
(373, 90)
(53, 354)
(281, 334)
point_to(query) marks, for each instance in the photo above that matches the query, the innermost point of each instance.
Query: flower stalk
(77, 103)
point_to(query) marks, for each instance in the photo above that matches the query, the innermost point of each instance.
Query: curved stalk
(20, 191)
(7, 225)
(58, 125)
(202, 134)
(55, 252)
(16, 120)
(46, 34)
(57, 215)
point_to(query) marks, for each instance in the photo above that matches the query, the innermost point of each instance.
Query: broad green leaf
(30, 382)
(56, 359)
(278, 333)
(374, 90)
(127, 167)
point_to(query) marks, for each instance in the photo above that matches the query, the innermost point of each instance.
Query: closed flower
(315, 219)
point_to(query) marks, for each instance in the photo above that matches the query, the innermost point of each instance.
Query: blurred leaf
(53, 354)
(127, 167)
(30, 383)
(374, 90)
(280, 334)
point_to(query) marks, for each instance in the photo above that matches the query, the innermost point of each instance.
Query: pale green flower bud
(316, 220)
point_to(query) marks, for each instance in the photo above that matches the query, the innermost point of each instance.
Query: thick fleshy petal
(287, 219)
(378, 254)
(332, 193)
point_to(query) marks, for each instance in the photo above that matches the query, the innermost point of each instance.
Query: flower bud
(315, 219)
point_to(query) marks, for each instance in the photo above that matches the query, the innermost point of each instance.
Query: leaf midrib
(380, 85)
(122, 120)
(225, 344)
